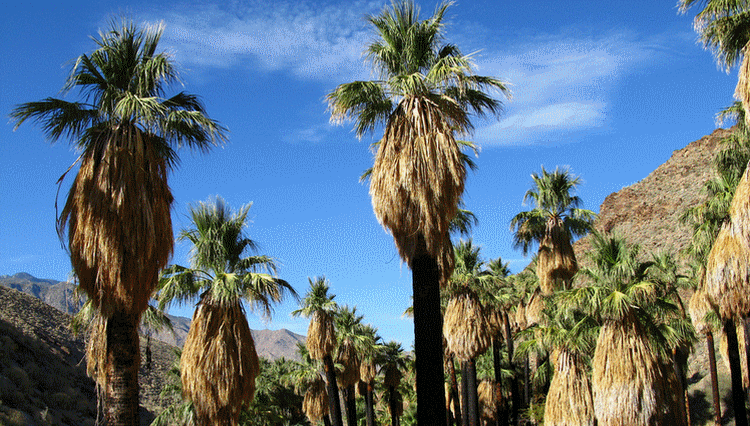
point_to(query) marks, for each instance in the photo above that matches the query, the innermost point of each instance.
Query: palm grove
(600, 340)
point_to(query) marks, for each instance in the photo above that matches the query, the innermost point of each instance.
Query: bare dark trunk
(680, 363)
(334, 405)
(454, 389)
(370, 404)
(464, 395)
(471, 381)
(123, 361)
(497, 363)
(735, 368)
(526, 383)
(515, 397)
(714, 377)
(326, 420)
(428, 338)
(393, 401)
(351, 406)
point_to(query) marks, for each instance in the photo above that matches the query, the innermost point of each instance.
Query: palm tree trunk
(465, 395)
(123, 361)
(454, 389)
(428, 338)
(334, 405)
(471, 382)
(351, 406)
(735, 368)
(515, 400)
(747, 353)
(526, 383)
(370, 404)
(679, 361)
(326, 420)
(393, 405)
(714, 377)
(497, 363)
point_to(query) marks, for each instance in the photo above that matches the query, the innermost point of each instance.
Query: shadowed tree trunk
(714, 377)
(454, 389)
(472, 407)
(351, 406)
(515, 397)
(370, 404)
(500, 413)
(464, 395)
(334, 405)
(326, 420)
(735, 368)
(428, 338)
(123, 359)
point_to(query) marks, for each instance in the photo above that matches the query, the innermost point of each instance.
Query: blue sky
(608, 90)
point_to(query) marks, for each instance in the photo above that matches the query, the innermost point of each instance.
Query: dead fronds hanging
(315, 402)
(727, 282)
(556, 263)
(219, 363)
(418, 179)
(569, 400)
(465, 326)
(321, 335)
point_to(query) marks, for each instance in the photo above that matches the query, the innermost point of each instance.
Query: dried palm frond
(535, 309)
(118, 220)
(520, 318)
(465, 326)
(392, 376)
(367, 371)
(727, 282)
(699, 307)
(321, 335)
(315, 402)
(348, 358)
(418, 178)
(556, 263)
(219, 363)
(495, 321)
(486, 395)
(628, 384)
(742, 91)
(96, 350)
(569, 400)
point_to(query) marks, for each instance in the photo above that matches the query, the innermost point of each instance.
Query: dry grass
(727, 282)
(219, 363)
(118, 220)
(465, 326)
(321, 335)
(569, 400)
(418, 179)
(556, 263)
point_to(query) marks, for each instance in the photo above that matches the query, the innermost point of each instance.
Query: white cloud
(559, 84)
(313, 41)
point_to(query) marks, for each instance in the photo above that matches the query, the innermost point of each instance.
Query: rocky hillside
(271, 344)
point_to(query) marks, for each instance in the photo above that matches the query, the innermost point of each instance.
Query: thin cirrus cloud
(560, 85)
(313, 41)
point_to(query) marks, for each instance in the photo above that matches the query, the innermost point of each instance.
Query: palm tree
(552, 224)
(423, 99)
(219, 343)
(632, 381)
(349, 336)
(498, 301)
(700, 308)
(319, 306)
(117, 213)
(370, 351)
(466, 329)
(393, 363)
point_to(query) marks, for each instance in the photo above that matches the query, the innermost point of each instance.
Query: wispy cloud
(560, 84)
(315, 41)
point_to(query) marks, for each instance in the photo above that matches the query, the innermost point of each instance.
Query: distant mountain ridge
(270, 344)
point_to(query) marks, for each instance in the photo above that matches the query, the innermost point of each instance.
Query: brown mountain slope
(647, 212)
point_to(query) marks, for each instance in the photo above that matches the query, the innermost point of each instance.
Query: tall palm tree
(700, 308)
(219, 343)
(349, 336)
(370, 351)
(423, 99)
(117, 213)
(321, 342)
(393, 362)
(632, 380)
(466, 329)
(307, 379)
(497, 301)
(552, 224)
